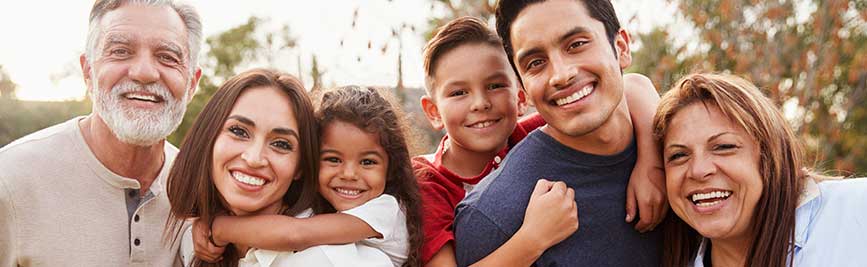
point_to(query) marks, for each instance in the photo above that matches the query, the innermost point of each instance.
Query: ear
(432, 112)
(522, 101)
(85, 70)
(621, 43)
(194, 85)
(297, 176)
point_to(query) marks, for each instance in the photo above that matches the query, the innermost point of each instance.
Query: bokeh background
(810, 56)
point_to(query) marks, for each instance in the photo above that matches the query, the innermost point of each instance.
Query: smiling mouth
(143, 97)
(710, 198)
(483, 124)
(247, 179)
(578, 95)
(348, 193)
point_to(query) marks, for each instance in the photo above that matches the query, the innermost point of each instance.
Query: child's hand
(551, 215)
(646, 191)
(203, 247)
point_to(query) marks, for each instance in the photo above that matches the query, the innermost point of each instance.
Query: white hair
(188, 15)
(136, 126)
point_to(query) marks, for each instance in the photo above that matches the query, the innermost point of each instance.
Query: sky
(41, 46)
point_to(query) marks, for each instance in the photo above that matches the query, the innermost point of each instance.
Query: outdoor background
(810, 56)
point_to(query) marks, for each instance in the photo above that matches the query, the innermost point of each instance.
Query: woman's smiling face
(256, 154)
(712, 172)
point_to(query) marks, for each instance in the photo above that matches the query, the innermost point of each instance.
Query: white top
(59, 206)
(830, 225)
(383, 214)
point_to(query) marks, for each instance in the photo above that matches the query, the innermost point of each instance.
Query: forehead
(468, 62)
(549, 20)
(347, 136)
(699, 121)
(150, 24)
(265, 105)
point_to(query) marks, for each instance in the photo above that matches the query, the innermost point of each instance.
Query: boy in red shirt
(474, 94)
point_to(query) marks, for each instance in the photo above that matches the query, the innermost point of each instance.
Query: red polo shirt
(441, 189)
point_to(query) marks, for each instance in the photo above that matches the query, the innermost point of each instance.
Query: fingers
(630, 204)
(646, 217)
(202, 247)
(542, 186)
(559, 187)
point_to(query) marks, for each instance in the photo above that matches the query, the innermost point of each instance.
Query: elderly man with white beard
(91, 191)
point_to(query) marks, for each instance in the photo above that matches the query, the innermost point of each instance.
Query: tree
(230, 51)
(7, 86)
(812, 63)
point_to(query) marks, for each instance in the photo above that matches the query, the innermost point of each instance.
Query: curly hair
(372, 110)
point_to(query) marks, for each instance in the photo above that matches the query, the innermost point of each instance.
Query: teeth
(141, 97)
(240, 177)
(482, 124)
(576, 96)
(710, 195)
(348, 191)
(708, 204)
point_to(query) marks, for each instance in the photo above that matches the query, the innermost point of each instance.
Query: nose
(254, 157)
(348, 172)
(701, 167)
(144, 70)
(563, 73)
(480, 102)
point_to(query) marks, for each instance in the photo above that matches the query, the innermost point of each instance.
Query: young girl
(365, 176)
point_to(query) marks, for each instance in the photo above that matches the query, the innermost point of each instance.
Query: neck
(612, 137)
(142, 163)
(729, 252)
(465, 162)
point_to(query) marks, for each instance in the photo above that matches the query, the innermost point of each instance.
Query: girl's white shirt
(383, 214)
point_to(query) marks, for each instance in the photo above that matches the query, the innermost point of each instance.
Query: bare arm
(646, 189)
(551, 216)
(285, 233)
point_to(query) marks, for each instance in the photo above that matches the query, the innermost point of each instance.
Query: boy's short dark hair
(460, 31)
(507, 11)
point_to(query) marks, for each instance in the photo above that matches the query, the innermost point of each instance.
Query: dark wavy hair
(189, 186)
(370, 109)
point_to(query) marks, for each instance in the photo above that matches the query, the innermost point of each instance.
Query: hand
(551, 215)
(646, 192)
(203, 247)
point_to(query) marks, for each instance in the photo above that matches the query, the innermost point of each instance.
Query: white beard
(136, 126)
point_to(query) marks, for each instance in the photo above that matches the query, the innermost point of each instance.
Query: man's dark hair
(507, 11)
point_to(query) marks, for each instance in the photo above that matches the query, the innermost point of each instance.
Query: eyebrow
(564, 37)
(171, 47)
(114, 38)
(279, 130)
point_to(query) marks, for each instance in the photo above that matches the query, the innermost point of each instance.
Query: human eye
(493, 86)
(331, 159)
(367, 162)
(238, 132)
(675, 156)
(120, 52)
(577, 44)
(535, 63)
(725, 147)
(169, 59)
(283, 145)
(457, 93)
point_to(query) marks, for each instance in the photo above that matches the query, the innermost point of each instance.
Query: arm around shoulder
(284, 233)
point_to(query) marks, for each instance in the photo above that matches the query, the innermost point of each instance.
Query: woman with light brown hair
(735, 177)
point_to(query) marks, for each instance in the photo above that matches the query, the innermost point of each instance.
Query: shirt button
(497, 159)
(135, 218)
(136, 242)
